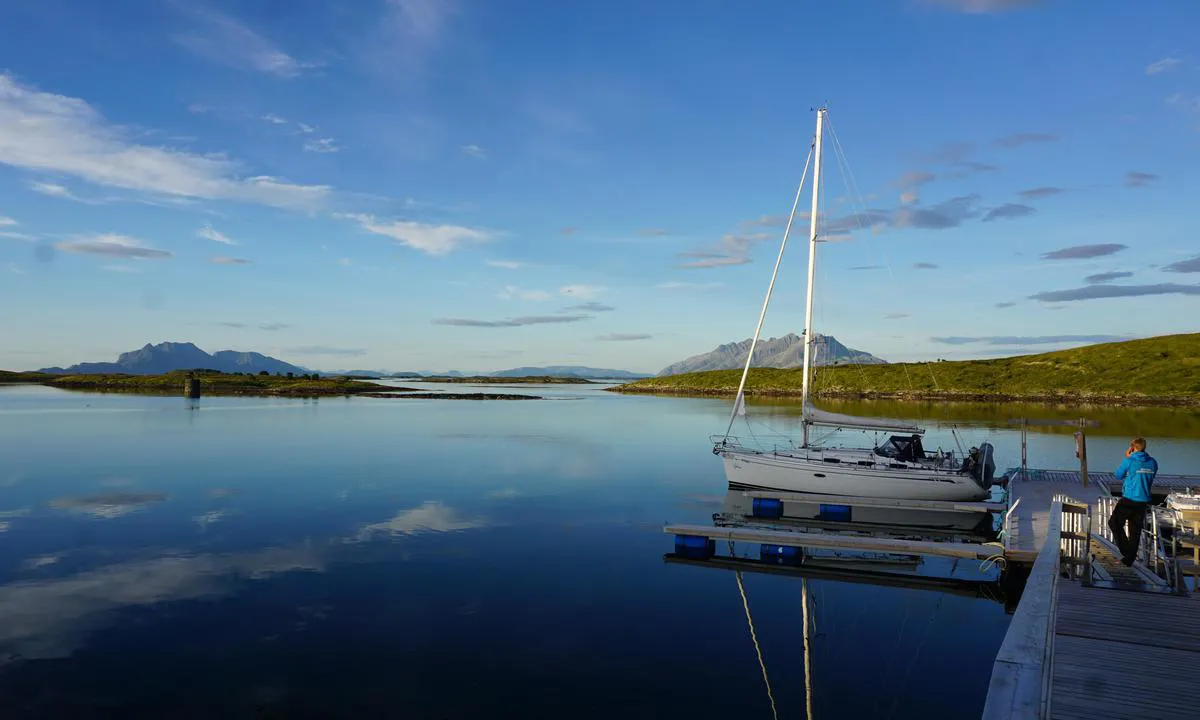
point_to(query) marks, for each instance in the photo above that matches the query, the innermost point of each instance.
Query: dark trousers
(1133, 513)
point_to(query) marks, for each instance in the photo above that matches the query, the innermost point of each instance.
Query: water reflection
(432, 516)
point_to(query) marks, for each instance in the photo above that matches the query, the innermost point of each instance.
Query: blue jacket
(1138, 471)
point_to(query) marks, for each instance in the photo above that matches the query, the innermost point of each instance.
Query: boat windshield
(906, 448)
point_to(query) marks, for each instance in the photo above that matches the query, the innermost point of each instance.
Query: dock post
(1081, 451)
(191, 386)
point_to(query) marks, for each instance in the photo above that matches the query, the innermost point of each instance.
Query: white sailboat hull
(811, 473)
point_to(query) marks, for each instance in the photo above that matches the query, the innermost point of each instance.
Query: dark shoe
(1127, 562)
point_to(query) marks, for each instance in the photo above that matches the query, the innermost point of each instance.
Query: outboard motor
(980, 464)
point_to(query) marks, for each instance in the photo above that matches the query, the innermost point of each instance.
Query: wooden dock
(1090, 637)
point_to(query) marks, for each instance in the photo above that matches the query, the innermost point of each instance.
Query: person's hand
(1129, 451)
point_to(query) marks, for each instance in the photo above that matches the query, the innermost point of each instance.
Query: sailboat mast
(812, 271)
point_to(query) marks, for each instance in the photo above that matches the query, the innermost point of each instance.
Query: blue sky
(435, 184)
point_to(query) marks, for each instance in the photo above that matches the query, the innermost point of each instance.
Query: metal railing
(1155, 551)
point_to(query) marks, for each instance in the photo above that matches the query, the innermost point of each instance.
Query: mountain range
(167, 356)
(783, 352)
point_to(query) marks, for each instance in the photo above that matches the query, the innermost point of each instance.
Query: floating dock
(1090, 637)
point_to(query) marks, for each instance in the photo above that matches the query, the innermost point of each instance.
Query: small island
(500, 380)
(1152, 371)
(212, 382)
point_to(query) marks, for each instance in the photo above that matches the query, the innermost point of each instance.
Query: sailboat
(896, 467)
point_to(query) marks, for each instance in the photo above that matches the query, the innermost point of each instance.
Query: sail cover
(823, 417)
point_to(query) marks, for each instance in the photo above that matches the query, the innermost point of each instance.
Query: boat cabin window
(901, 447)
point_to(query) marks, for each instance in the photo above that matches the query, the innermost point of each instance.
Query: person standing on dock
(1137, 471)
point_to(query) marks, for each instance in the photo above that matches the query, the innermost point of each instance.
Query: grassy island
(1153, 371)
(522, 380)
(211, 383)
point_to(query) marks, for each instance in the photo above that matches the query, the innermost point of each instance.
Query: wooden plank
(1020, 673)
(936, 505)
(970, 551)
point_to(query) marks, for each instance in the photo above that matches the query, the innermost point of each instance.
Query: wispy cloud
(220, 38)
(474, 151)
(410, 32)
(1106, 277)
(23, 237)
(677, 285)
(624, 337)
(1099, 292)
(766, 221)
(895, 316)
(208, 233)
(924, 266)
(511, 292)
(325, 350)
(1191, 265)
(15, 269)
(274, 119)
(1038, 193)
(1133, 178)
(569, 230)
(1009, 211)
(1083, 252)
(1028, 340)
(981, 6)
(128, 269)
(431, 239)
(506, 264)
(653, 232)
(321, 145)
(7, 221)
(512, 322)
(713, 261)
(946, 214)
(60, 191)
(1002, 305)
(223, 260)
(590, 307)
(867, 267)
(1161, 66)
(273, 326)
(1024, 138)
(112, 245)
(582, 292)
(54, 133)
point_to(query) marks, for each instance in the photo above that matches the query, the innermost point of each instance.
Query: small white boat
(897, 467)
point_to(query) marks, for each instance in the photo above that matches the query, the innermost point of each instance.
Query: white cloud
(15, 269)
(25, 237)
(583, 292)
(474, 151)
(208, 233)
(224, 40)
(55, 133)
(321, 145)
(222, 260)
(274, 119)
(53, 190)
(7, 221)
(432, 239)
(112, 245)
(305, 128)
(1161, 66)
(345, 262)
(512, 291)
(506, 264)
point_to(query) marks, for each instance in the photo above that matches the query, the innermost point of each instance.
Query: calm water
(363, 557)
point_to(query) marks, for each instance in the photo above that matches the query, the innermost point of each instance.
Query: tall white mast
(812, 270)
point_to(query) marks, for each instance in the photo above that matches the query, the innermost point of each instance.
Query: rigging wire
(916, 655)
(857, 198)
(757, 649)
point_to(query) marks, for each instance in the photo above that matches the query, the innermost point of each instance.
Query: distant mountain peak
(154, 359)
(781, 352)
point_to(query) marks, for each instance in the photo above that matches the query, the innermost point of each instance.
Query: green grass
(1160, 370)
(211, 383)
